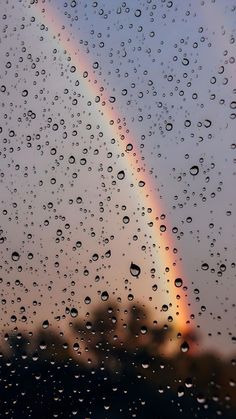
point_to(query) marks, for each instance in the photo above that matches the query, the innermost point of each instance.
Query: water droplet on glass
(205, 266)
(45, 324)
(74, 312)
(104, 296)
(194, 170)
(134, 270)
(121, 175)
(178, 282)
(184, 347)
(15, 256)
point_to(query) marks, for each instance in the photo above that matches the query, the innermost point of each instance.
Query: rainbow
(60, 35)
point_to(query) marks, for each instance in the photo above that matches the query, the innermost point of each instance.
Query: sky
(73, 207)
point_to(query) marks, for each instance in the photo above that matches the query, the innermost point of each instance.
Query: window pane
(117, 192)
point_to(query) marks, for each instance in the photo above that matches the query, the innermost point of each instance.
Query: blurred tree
(50, 345)
(18, 345)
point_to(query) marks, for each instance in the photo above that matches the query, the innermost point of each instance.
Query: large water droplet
(134, 270)
(74, 312)
(184, 347)
(178, 282)
(15, 256)
(121, 175)
(104, 296)
(194, 170)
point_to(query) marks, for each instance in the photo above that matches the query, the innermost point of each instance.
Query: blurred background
(117, 209)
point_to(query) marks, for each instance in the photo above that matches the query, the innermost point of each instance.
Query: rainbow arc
(171, 271)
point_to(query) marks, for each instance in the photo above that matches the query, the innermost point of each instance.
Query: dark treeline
(115, 365)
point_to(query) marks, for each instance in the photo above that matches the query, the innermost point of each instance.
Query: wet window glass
(117, 177)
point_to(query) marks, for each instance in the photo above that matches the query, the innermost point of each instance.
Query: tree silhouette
(18, 345)
(50, 345)
(124, 360)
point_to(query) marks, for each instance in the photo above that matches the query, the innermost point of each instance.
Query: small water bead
(188, 382)
(76, 346)
(141, 184)
(222, 267)
(144, 330)
(87, 300)
(15, 256)
(71, 159)
(194, 170)
(137, 13)
(180, 391)
(207, 123)
(88, 325)
(42, 346)
(126, 219)
(201, 399)
(185, 61)
(134, 270)
(169, 126)
(78, 200)
(162, 228)
(129, 147)
(121, 175)
(178, 282)
(145, 365)
(104, 296)
(205, 266)
(74, 312)
(184, 347)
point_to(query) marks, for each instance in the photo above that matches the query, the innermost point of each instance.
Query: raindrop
(104, 296)
(184, 347)
(15, 256)
(169, 126)
(71, 159)
(144, 330)
(141, 184)
(178, 282)
(74, 312)
(137, 13)
(129, 147)
(134, 270)
(205, 266)
(45, 324)
(87, 300)
(185, 61)
(194, 170)
(126, 219)
(121, 175)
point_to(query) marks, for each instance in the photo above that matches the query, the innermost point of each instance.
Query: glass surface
(118, 209)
